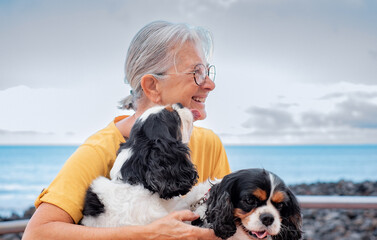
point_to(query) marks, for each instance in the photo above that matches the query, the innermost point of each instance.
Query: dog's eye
(279, 205)
(250, 201)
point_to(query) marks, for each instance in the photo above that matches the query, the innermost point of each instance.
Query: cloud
(355, 113)
(280, 64)
(352, 117)
(272, 119)
(37, 138)
(66, 43)
(23, 133)
(71, 114)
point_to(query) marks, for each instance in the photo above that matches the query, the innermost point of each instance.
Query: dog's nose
(267, 219)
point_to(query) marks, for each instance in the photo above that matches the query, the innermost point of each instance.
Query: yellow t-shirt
(96, 157)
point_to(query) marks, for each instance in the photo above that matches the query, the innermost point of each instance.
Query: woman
(166, 63)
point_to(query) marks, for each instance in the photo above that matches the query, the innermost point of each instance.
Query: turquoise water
(26, 170)
(309, 164)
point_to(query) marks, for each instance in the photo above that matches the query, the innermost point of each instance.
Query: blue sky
(288, 72)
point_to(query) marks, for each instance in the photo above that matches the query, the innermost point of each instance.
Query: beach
(318, 224)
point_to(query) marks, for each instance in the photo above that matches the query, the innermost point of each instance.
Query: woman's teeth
(197, 99)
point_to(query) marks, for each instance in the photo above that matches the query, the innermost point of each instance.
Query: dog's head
(254, 204)
(156, 154)
(172, 122)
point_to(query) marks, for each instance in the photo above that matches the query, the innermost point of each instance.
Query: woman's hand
(173, 227)
(51, 222)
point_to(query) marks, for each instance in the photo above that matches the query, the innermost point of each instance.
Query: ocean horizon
(26, 170)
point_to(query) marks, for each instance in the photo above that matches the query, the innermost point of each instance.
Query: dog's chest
(125, 204)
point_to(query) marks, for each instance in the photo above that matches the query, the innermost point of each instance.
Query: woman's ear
(150, 86)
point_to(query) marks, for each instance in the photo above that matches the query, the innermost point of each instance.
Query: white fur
(241, 235)
(119, 161)
(195, 195)
(185, 114)
(253, 222)
(127, 204)
(150, 111)
(186, 119)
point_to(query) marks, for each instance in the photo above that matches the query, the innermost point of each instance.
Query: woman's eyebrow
(196, 64)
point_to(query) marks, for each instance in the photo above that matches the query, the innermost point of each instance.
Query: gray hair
(150, 53)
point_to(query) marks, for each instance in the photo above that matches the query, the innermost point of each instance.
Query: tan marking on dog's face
(169, 108)
(278, 197)
(260, 194)
(242, 214)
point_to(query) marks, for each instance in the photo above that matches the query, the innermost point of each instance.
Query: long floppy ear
(162, 167)
(171, 172)
(220, 212)
(291, 220)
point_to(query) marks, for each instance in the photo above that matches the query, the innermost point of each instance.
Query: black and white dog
(152, 168)
(247, 204)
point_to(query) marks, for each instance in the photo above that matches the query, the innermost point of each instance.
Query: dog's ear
(162, 167)
(291, 219)
(171, 172)
(159, 160)
(220, 212)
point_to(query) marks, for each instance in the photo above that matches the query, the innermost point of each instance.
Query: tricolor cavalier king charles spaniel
(247, 204)
(152, 169)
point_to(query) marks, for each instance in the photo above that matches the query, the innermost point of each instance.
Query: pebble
(339, 224)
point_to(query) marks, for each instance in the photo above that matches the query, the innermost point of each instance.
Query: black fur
(159, 161)
(291, 219)
(233, 189)
(220, 212)
(93, 206)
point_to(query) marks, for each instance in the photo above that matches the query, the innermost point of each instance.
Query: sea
(26, 170)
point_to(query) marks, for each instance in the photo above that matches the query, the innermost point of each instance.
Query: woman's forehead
(189, 55)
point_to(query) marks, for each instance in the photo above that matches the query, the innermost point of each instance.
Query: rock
(28, 213)
(350, 224)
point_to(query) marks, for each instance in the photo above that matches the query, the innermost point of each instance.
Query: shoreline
(318, 224)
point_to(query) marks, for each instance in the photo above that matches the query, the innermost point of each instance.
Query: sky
(288, 72)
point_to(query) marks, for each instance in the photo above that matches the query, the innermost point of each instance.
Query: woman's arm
(51, 222)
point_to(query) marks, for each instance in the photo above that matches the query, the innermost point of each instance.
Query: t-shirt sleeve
(92, 159)
(208, 154)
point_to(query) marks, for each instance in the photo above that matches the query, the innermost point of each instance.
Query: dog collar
(200, 202)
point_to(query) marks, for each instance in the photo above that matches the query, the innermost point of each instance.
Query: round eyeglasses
(200, 73)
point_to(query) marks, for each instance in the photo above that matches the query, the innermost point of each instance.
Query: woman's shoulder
(202, 132)
(203, 135)
(107, 136)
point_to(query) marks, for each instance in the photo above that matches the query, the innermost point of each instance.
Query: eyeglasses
(200, 73)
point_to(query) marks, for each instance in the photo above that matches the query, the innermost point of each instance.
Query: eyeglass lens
(201, 73)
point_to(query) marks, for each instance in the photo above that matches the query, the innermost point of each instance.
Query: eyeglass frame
(208, 69)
